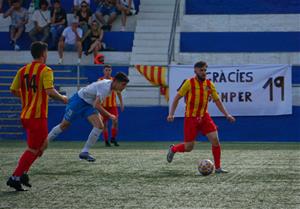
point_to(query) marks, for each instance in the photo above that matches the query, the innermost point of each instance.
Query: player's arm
(170, 117)
(16, 93)
(181, 92)
(56, 95)
(223, 110)
(219, 103)
(104, 112)
(47, 77)
(121, 101)
(15, 86)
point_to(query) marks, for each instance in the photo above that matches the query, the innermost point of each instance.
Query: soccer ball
(206, 167)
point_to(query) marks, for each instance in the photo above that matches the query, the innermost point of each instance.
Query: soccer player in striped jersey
(110, 104)
(197, 92)
(33, 84)
(87, 103)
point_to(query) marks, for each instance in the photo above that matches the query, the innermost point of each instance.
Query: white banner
(245, 90)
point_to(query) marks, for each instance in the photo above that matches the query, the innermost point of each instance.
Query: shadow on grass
(59, 173)
(10, 193)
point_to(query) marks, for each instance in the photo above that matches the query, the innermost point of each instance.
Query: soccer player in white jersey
(86, 103)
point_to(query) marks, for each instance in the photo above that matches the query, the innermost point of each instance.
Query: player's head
(120, 81)
(200, 70)
(56, 4)
(39, 51)
(16, 4)
(43, 5)
(107, 69)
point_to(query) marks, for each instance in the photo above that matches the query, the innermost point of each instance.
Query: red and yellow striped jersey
(31, 81)
(110, 100)
(197, 94)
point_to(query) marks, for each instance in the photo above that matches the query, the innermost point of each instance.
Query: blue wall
(242, 6)
(239, 42)
(118, 41)
(149, 124)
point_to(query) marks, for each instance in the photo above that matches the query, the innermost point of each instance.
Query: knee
(189, 147)
(215, 142)
(64, 126)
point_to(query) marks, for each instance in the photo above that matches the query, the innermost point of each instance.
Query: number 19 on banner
(277, 82)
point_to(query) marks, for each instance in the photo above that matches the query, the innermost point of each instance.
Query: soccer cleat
(220, 170)
(113, 141)
(170, 154)
(107, 144)
(15, 184)
(24, 179)
(86, 156)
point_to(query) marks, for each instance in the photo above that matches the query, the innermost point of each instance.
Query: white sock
(93, 137)
(54, 132)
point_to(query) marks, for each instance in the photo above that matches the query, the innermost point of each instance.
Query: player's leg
(95, 120)
(209, 129)
(36, 137)
(72, 111)
(105, 131)
(190, 134)
(58, 129)
(114, 127)
(216, 150)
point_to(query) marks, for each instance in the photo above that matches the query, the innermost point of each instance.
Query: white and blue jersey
(81, 103)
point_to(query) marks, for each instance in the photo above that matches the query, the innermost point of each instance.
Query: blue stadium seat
(239, 42)
(242, 7)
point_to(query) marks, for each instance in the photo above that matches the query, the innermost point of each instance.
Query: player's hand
(170, 118)
(65, 99)
(230, 118)
(113, 117)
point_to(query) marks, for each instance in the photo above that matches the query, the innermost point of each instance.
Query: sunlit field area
(137, 175)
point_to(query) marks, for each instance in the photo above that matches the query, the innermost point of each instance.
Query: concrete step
(148, 62)
(155, 16)
(157, 57)
(165, 23)
(143, 96)
(151, 43)
(151, 36)
(149, 50)
(153, 29)
(157, 2)
(157, 8)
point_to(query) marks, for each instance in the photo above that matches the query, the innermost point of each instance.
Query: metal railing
(173, 31)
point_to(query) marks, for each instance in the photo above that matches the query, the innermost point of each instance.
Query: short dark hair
(43, 2)
(15, 1)
(37, 48)
(121, 77)
(200, 64)
(107, 66)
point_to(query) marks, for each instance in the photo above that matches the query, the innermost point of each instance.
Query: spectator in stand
(41, 19)
(37, 3)
(84, 16)
(9, 2)
(70, 40)
(124, 7)
(19, 18)
(93, 39)
(107, 7)
(58, 23)
(77, 3)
